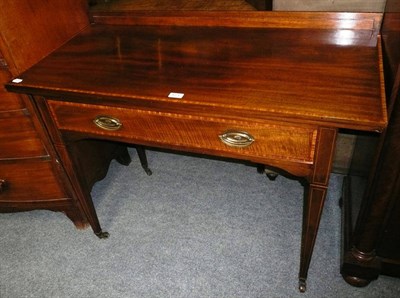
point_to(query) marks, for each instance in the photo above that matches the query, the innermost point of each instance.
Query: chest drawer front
(18, 138)
(275, 141)
(28, 181)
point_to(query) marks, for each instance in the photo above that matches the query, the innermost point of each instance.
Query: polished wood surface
(363, 26)
(273, 140)
(372, 240)
(302, 74)
(20, 140)
(9, 101)
(31, 31)
(30, 176)
(275, 80)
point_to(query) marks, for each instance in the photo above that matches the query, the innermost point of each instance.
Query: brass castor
(272, 176)
(148, 171)
(302, 285)
(102, 235)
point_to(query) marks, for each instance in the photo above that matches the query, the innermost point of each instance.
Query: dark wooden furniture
(261, 4)
(30, 175)
(274, 91)
(221, 5)
(371, 210)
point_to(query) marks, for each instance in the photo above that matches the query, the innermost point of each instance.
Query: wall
(330, 5)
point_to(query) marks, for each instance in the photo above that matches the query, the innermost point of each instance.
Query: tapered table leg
(313, 205)
(314, 198)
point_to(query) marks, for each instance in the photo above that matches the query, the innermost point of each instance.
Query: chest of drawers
(30, 177)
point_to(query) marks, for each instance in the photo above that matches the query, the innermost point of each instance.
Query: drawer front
(273, 141)
(8, 101)
(18, 139)
(28, 181)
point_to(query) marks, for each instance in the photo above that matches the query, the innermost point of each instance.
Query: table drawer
(18, 138)
(28, 181)
(270, 140)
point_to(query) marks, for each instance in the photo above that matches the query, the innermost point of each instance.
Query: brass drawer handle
(3, 185)
(235, 138)
(107, 123)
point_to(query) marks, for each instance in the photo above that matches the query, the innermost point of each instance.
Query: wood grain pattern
(272, 140)
(18, 137)
(251, 19)
(9, 101)
(26, 180)
(314, 198)
(298, 74)
(30, 31)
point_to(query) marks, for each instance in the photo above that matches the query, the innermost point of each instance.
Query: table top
(319, 76)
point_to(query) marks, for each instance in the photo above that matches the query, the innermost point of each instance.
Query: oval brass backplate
(235, 138)
(107, 123)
